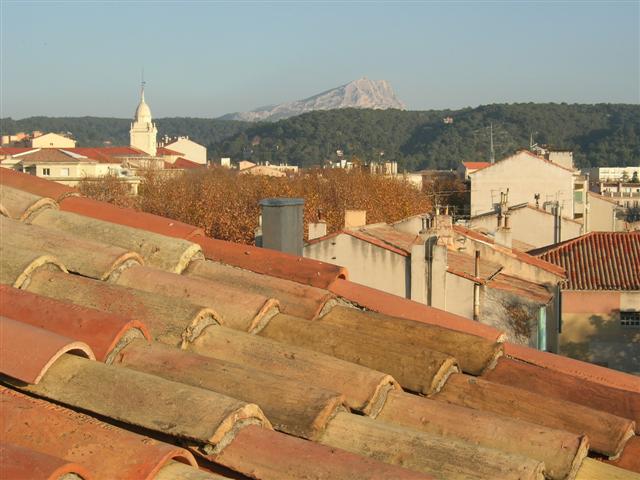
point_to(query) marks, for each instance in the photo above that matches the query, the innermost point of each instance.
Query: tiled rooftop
(135, 347)
(598, 260)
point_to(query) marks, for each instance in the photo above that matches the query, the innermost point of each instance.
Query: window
(46, 171)
(630, 319)
(64, 172)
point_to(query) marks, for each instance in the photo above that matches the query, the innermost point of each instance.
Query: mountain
(362, 93)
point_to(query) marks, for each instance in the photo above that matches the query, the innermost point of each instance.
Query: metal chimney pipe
(476, 288)
(282, 224)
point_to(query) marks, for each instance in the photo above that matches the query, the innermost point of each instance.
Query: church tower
(143, 133)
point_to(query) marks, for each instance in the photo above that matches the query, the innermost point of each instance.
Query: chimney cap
(281, 202)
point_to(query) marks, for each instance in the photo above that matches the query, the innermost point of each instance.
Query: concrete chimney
(354, 219)
(282, 224)
(317, 230)
(503, 234)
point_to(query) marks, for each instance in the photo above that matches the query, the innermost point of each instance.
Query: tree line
(599, 135)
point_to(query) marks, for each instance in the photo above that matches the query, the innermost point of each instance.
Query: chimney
(317, 230)
(354, 219)
(441, 225)
(282, 224)
(503, 234)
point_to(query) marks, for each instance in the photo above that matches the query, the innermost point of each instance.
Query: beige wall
(52, 140)
(591, 329)
(524, 176)
(191, 150)
(601, 216)
(531, 226)
(366, 263)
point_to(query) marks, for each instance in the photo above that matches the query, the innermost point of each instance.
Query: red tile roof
(475, 165)
(522, 288)
(522, 256)
(183, 163)
(107, 154)
(14, 150)
(162, 151)
(530, 154)
(309, 378)
(598, 260)
(383, 236)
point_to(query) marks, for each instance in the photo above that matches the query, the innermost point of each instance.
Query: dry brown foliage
(110, 189)
(225, 203)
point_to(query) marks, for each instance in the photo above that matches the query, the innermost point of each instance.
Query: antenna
(492, 154)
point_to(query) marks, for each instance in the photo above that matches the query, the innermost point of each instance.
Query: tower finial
(142, 84)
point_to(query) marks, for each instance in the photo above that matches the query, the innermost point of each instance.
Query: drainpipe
(476, 289)
(428, 253)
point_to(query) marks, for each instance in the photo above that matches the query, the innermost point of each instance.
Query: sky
(205, 59)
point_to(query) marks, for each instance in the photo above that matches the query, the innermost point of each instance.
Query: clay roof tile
(27, 352)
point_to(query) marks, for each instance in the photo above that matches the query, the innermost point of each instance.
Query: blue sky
(209, 58)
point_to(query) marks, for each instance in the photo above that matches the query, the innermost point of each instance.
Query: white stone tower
(143, 133)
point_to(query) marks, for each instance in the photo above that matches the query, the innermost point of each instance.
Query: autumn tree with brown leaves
(225, 203)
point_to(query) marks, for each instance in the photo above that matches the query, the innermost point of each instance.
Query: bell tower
(143, 134)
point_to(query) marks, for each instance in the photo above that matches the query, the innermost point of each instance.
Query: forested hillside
(603, 134)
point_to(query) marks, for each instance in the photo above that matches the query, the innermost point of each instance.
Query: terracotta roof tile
(35, 185)
(20, 205)
(14, 150)
(522, 256)
(53, 155)
(20, 360)
(268, 455)
(228, 377)
(85, 257)
(21, 463)
(293, 298)
(551, 383)
(607, 433)
(476, 165)
(388, 304)
(183, 164)
(17, 265)
(108, 154)
(364, 389)
(463, 265)
(295, 408)
(170, 320)
(522, 288)
(271, 262)
(574, 368)
(597, 260)
(130, 218)
(106, 451)
(146, 401)
(166, 253)
(630, 458)
(167, 151)
(562, 452)
(236, 308)
(104, 333)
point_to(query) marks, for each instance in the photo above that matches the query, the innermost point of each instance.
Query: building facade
(600, 320)
(528, 178)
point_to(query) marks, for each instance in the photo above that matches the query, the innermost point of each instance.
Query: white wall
(191, 150)
(531, 226)
(366, 263)
(524, 175)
